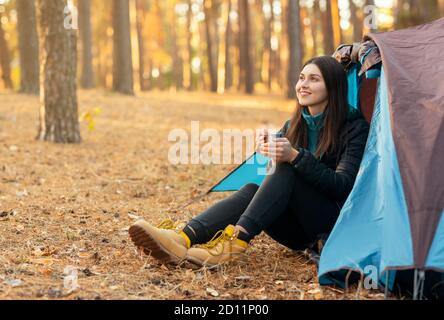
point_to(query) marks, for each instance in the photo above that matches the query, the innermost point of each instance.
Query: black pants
(287, 208)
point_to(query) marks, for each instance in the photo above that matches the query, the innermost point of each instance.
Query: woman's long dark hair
(335, 113)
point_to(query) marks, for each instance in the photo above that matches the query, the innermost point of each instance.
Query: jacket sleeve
(335, 183)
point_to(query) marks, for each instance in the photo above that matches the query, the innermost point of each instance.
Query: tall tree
(177, 60)
(317, 17)
(228, 44)
(28, 44)
(5, 58)
(274, 59)
(59, 112)
(104, 43)
(211, 46)
(327, 26)
(336, 22)
(313, 30)
(414, 12)
(140, 16)
(122, 53)
(295, 43)
(189, 45)
(87, 76)
(245, 47)
(356, 22)
(203, 85)
(282, 59)
(266, 54)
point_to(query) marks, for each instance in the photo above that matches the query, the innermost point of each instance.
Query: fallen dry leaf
(44, 261)
(84, 255)
(133, 216)
(212, 292)
(45, 271)
(317, 293)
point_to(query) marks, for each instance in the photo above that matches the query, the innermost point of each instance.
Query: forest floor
(69, 207)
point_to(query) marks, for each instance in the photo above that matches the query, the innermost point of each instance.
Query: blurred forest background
(250, 46)
(211, 45)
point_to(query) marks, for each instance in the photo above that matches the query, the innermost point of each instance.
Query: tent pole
(386, 286)
(415, 285)
(421, 284)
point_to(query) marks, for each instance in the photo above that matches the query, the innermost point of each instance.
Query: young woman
(316, 165)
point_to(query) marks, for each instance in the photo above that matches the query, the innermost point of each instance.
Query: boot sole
(208, 264)
(151, 247)
(198, 262)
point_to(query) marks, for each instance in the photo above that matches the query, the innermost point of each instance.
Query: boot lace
(167, 224)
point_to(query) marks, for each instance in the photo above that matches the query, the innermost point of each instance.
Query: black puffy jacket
(335, 173)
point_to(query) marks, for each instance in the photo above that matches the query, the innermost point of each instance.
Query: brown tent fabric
(413, 61)
(367, 97)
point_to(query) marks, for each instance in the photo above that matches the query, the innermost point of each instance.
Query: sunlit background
(169, 38)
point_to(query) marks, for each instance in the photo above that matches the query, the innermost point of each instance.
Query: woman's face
(311, 89)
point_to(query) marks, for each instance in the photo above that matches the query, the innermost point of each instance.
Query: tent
(393, 220)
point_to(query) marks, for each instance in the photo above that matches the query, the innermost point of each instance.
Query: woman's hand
(279, 150)
(261, 140)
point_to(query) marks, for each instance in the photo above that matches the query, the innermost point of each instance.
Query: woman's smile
(304, 93)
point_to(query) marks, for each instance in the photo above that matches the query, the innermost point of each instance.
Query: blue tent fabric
(253, 170)
(374, 206)
(435, 260)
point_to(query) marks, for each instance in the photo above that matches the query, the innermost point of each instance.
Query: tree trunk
(399, 14)
(313, 31)
(228, 43)
(5, 58)
(430, 10)
(274, 56)
(356, 22)
(266, 53)
(283, 53)
(245, 47)
(336, 23)
(28, 44)
(315, 23)
(189, 46)
(122, 54)
(327, 26)
(58, 113)
(177, 63)
(140, 14)
(212, 61)
(295, 44)
(235, 53)
(87, 77)
(203, 83)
